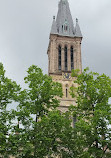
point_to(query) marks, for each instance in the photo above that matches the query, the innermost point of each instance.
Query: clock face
(67, 76)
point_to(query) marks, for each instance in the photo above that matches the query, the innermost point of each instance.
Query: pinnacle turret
(77, 30)
(54, 26)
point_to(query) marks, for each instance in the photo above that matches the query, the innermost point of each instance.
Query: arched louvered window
(59, 57)
(65, 28)
(65, 56)
(72, 58)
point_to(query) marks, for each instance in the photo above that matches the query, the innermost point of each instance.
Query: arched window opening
(72, 58)
(59, 57)
(66, 90)
(65, 51)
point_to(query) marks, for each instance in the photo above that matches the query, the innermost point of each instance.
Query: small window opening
(66, 90)
(62, 28)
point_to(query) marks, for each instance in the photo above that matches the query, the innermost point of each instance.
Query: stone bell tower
(64, 51)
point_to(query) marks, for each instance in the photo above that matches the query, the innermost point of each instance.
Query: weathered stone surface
(58, 75)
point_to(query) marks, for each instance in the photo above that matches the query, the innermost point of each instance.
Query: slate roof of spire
(64, 24)
(64, 18)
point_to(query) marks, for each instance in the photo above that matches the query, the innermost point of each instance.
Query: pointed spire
(64, 19)
(63, 25)
(77, 30)
(54, 27)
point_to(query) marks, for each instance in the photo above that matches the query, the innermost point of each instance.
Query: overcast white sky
(24, 34)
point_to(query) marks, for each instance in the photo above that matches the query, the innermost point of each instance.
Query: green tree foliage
(52, 135)
(8, 93)
(34, 102)
(36, 129)
(42, 92)
(93, 113)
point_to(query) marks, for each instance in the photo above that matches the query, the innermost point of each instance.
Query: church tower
(64, 51)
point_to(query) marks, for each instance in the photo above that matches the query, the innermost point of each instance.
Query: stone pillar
(56, 53)
(52, 56)
(80, 60)
(48, 63)
(77, 54)
(55, 50)
(75, 57)
(79, 64)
